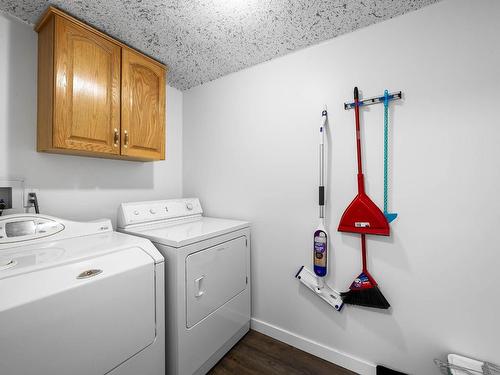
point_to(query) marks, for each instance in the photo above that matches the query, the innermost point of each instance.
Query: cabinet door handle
(116, 138)
(125, 142)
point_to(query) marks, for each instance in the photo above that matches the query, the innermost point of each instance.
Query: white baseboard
(319, 350)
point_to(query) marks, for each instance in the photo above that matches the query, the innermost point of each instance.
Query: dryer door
(82, 318)
(214, 276)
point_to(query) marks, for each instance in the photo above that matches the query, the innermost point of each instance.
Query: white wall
(70, 186)
(250, 152)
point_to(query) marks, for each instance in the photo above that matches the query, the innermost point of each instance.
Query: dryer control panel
(170, 209)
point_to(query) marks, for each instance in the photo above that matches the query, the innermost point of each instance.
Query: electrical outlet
(6, 197)
(26, 197)
(14, 187)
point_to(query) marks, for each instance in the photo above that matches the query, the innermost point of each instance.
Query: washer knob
(136, 212)
(189, 206)
(152, 211)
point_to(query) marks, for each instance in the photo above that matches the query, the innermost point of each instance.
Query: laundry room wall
(70, 186)
(250, 152)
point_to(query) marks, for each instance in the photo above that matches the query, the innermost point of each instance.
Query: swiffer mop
(315, 281)
(362, 215)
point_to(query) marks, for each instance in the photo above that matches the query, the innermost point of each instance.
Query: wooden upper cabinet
(87, 93)
(143, 107)
(96, 96)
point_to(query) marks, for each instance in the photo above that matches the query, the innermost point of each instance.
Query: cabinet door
(143, 107)
(87, 90)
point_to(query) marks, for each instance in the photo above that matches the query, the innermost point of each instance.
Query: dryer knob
(152, 211)
(189, 206)
(136, 212)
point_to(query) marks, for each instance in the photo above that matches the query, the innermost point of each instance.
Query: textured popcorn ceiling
(201, 40)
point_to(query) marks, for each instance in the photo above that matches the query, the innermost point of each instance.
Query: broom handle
(365, 267)
(363, 253)
(361, 183)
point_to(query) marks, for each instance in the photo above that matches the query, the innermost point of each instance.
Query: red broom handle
(361, 183)
(363, 253)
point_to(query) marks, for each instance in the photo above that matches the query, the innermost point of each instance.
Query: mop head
(365, 292)
(327, 294)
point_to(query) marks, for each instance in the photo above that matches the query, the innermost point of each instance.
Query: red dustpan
(362, 215)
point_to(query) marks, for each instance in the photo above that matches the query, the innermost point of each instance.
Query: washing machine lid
(35, 257)
(186, 232)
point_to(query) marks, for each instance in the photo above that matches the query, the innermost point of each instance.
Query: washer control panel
(26, 228)
(144, 212)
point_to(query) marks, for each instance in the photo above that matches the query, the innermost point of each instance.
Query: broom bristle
(368, 297)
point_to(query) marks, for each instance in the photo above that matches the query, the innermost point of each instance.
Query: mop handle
(361, 184)
(322, 129)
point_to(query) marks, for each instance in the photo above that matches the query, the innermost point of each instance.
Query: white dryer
(207, 263)
(78, 298)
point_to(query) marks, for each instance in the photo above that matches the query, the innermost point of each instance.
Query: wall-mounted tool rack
(375, 100)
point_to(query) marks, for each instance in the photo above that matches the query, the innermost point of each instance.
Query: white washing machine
(79, 299)
(207, 263)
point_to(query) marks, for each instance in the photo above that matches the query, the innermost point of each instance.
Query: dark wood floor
(263, 355)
